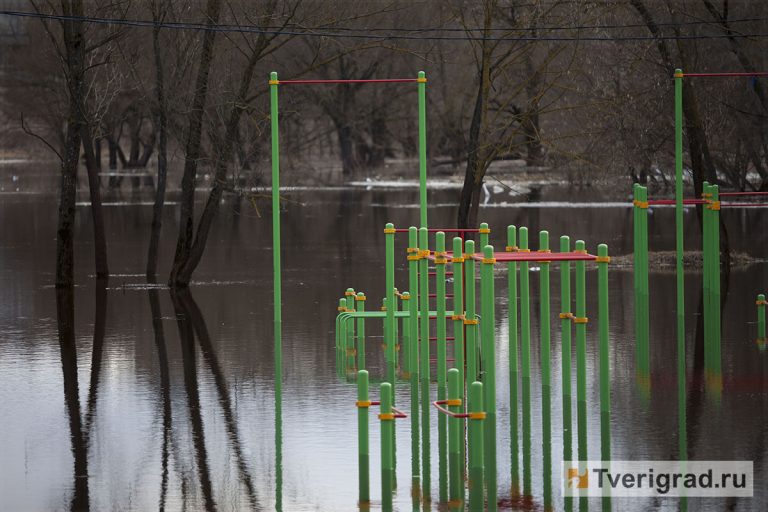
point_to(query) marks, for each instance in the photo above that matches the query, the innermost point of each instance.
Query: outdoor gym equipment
(474, 336)
(711, 250)
(274, 83)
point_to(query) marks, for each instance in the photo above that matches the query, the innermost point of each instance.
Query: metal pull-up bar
(354, 81)
(274, 83)
(715, 75)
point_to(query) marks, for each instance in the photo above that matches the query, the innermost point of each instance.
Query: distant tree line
(555, 83)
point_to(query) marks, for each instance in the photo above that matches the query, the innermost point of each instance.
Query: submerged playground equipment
(466, 405)
(467, 338)
(710, 200)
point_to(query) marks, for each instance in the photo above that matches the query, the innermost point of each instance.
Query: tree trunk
(186, 223)
(477, 157)
(162, 157)
(224, 156)
(75, 48)
(97, 212)
(67, 198)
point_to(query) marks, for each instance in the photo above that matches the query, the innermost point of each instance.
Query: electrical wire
(323, 33)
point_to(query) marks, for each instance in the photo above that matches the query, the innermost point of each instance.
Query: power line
(544, 28)
(323, 33)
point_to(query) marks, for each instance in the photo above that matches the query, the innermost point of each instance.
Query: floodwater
(129, 397)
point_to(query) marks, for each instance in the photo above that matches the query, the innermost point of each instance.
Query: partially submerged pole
(525, 360)
(276, 267)
(681, 366)
(513, 363)
(363, 450)
(475, 447)
(546, 370)
(440, 262)
(488, 312)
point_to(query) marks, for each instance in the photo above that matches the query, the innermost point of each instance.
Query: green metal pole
(471, 318)
(513, 363)
(422, 87)
(761, 318)
(396, 325)
(581, 361)
(276, 268)
(455, 465)
(581, 353)
(565, 329)
(546, 369)
(605, 376)
(565, 336)
(485, 234)
(387, 453)
(645, 293)
(363, 449)
(405, 335)
(488, 312)
(640, 275)
(389, 341)
(715, 275)
(440, 262)
(349, 297)
(341, 339)
(424, 370)
(706, 249)
(525, 360)
(457, 262)
(681, 366)
(475, 484)
(413, 327)
(360, 303)
(413, 301)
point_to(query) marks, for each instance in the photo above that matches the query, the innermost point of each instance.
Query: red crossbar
(725, 194)
(538, 256)
(444, 230)
(694, 75)
(375, 81)
(672, 201)
(702, 201)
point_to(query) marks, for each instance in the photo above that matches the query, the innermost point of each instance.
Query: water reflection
(165, 390)
(192, 326)
(65, 309)
(185, 421)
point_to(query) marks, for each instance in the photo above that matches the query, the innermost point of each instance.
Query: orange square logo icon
(576, 480)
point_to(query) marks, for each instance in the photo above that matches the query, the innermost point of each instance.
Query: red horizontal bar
(725, 194)
(702, 201)
(538, 256)
(369, 81)
(448, 295)
(435, 273)
(694, 75)
(448, 338)
(672, 201)
(444, 230)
